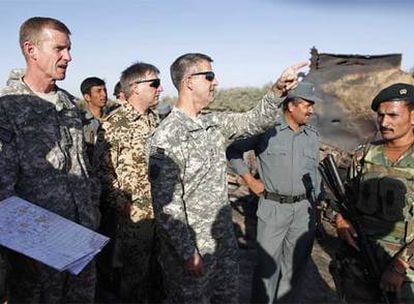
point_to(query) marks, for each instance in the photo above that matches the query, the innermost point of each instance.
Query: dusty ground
(317, 285)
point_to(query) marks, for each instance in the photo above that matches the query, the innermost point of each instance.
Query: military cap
(395, 92)
(304, 90)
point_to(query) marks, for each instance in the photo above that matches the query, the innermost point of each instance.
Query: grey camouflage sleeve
(255, 121)
(8, 156)
(168, 203)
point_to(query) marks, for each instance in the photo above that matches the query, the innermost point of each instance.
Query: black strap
(284, 199)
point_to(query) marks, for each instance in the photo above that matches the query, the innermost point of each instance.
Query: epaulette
(112, 113)
(312, 128)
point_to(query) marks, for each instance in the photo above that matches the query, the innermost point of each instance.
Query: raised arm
(263, 116)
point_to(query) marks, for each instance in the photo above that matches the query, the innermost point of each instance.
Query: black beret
(395, 92)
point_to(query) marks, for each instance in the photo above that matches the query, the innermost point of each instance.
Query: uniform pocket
(368, 197)
(392, 197)
(265, 210)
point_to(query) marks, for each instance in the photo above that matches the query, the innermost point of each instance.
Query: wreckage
(347, 84)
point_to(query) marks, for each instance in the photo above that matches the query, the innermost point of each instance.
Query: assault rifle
(330, 175)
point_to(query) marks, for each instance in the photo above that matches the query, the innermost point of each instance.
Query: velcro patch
(154, 171)
(157, 152)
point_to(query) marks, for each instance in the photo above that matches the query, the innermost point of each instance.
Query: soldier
(118, 93)
(125, 185)
(382, 179)
(94, 93)
(188, 182)
(43, 159)
(286, 217)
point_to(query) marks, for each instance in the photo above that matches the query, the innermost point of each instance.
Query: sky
(251, 41)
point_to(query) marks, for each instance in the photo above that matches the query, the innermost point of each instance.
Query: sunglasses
(209, 75)
(155, 83)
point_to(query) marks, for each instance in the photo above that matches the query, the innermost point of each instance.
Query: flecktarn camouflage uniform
(43, 160)
(126, 202)
(385, 202)
(189, 188)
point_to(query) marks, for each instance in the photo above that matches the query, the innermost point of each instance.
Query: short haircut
(117, 89)
(90, 82)
(135, 72)
(31, 29)
(183, 64)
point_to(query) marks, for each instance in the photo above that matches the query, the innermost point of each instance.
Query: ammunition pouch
(384, 198)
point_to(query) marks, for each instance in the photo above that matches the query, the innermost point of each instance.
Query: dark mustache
(386, 129)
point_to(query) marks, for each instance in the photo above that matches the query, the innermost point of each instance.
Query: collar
(132, 115)
(39, 104)
(88, 114)
(190, 124)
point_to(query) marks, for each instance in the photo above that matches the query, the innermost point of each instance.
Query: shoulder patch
(157, 155)
(6, 135)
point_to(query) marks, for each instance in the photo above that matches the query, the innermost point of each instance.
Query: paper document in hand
(47, 237)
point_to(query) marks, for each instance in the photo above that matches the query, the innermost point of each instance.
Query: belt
(284, 199)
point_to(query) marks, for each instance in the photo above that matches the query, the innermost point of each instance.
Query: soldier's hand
(195, 265)
(288, 80)
(257, 187)
(393, 277)
(345, 231)
(254, 184)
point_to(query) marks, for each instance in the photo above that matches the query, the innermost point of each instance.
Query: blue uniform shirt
(287, 160)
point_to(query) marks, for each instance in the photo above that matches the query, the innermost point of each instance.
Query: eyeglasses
(209, 75)
(155, 83)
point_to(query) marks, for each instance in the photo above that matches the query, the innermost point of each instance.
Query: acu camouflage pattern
(189, 188)
(126, 199)
(43, 160)
(385, 202)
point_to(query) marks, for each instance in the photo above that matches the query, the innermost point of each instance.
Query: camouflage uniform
(189, 188)
(385, 201)
(43, 160)
(126, 199)
(91, 127)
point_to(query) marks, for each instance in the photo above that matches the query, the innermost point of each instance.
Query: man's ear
(30, 50)
(412, 117)
(87, 97)
(290, 106)
(188, 83)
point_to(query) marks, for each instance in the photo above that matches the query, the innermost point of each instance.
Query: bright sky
(251, 42)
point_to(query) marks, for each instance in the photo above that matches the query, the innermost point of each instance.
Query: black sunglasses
(155, 83)
(209, 75)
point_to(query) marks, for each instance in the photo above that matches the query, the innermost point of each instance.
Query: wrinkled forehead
(392, 107)
(53, 35)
